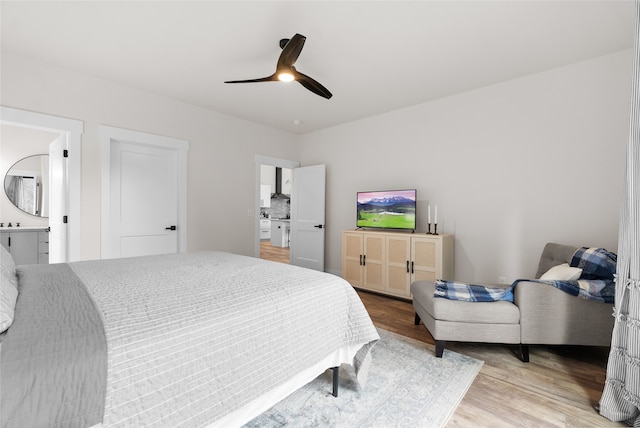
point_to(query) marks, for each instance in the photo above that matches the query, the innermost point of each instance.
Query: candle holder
(428, 228)
(435, 229)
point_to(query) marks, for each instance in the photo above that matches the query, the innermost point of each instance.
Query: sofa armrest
(552, 317)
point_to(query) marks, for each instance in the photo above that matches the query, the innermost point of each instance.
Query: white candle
(436, 216)
(429, 219)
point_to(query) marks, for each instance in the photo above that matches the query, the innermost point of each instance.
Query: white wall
(510, 166)
(221, 157)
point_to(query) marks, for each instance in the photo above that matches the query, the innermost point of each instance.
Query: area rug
(407, 387)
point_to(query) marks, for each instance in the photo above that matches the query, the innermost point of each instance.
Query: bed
(193, 339)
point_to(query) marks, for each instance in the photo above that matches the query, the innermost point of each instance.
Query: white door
(58, 185)
(143, 200)
(307, 217)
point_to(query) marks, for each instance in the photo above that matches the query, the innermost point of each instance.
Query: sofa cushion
(500, 312)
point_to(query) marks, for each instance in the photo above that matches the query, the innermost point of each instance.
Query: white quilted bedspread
(193, 337)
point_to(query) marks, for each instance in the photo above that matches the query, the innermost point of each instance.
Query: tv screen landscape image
(391, 209)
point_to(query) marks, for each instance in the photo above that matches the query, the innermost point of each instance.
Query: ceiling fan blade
(271, 78)
(291, 52)
(312, 85)
(291, 49)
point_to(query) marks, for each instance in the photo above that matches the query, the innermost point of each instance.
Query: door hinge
(65, 153)
(65, 219)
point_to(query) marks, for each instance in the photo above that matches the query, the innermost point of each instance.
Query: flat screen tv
(389, 209)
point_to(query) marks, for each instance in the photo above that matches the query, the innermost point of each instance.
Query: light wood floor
(558, 388)
(276, 254)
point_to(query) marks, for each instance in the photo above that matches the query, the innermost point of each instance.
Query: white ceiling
(374, 56)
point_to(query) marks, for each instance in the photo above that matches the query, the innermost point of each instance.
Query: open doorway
(64, 192)
(274, 184)
(275, 213)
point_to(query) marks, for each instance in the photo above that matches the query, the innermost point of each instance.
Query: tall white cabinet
(26, 245)
(388, 262)
(265, 196)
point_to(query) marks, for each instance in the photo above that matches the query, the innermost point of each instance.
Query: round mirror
(26, 185)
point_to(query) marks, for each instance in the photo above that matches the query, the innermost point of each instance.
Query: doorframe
(271, 161)
(110, 135)
(71, 130)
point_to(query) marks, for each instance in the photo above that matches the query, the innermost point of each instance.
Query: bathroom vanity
(27, 245)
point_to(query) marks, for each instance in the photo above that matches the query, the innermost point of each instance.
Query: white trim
(44, 122)
(108, 135)
(74, 175)
(265, 160)
(72, 129)
(142, 138)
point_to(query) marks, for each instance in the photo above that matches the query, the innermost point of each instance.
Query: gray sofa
(540, 314)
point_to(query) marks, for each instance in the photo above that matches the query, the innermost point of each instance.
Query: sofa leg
(416, 321)
(439, 348)
(524, 353)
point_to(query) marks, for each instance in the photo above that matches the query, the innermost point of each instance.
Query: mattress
(192, 339)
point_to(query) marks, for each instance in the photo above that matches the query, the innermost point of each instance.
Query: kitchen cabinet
(265, 196)
(26, 245)
(265, 229)
(388, 262)
(280, 233)
(268, 175)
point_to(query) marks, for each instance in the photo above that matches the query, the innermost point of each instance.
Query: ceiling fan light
(285, 76)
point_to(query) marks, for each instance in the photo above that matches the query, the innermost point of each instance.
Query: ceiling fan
(286, 72)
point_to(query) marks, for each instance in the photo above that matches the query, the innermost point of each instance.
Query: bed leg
(336, 379)
(416, 320)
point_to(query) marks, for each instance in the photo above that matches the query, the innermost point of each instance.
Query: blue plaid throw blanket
(596, 281)
(471, 292)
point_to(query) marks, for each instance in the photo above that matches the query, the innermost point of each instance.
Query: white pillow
(8, 297)
(8, 288)
(7, 267)
(562, 272)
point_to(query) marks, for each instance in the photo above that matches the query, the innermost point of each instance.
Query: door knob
(319, 226)
(171, 228)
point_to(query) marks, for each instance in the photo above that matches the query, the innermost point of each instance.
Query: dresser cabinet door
(374, 262)
(352, 251)
(424, 252)
(388, 262)
(398, 265)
